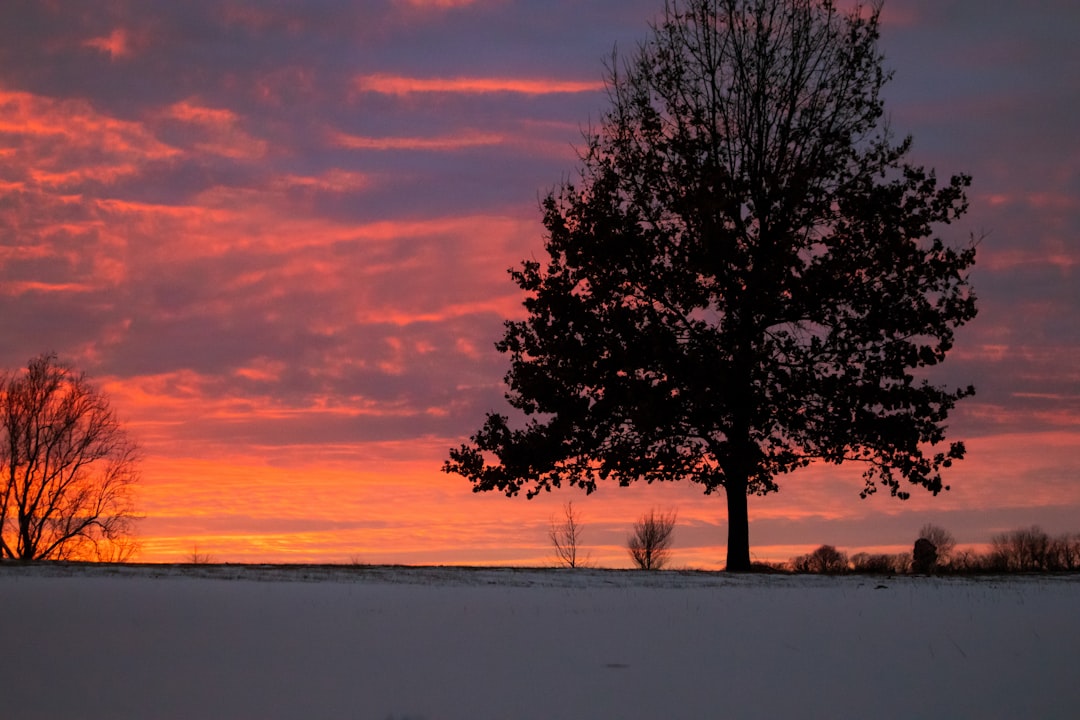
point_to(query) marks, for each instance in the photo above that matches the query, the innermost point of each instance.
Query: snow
(458, 643)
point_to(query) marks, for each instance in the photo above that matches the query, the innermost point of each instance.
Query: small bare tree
(199, 558)
(120, 549)
(565, 537)
(67, 467)
(650, 543)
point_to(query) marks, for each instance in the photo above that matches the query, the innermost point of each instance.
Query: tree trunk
(738, 544)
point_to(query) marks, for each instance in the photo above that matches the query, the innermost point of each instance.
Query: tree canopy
(743, 279)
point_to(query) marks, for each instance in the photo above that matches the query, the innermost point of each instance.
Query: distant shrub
(826, 560)
(943, 540)
(769, 567)
(969, 561)
(923, 556)
(879, 563)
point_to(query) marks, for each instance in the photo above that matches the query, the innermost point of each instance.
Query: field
(159, 642)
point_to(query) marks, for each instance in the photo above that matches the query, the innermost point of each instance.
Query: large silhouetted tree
(744, 279)
(67, 468)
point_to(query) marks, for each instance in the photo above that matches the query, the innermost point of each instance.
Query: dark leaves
(744, 280)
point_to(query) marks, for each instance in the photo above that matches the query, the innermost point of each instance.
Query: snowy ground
(159, 642)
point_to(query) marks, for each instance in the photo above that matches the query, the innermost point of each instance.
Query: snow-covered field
(204, 642)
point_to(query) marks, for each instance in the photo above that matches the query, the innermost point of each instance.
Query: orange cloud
(506, 306)
(220, 130)
(441, 4)
(21, 287)
(402, 85)
(1008, 259)
(187, 111)
(335, 181)
(262, 369)
(116, 44)
(47, 133)
(443, 143)
(536, 138)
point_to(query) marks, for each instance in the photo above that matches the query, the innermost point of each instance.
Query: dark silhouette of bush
(924, 556)
(877, 563)
(1026, 550)
(943, 540)
(826, 560)
(968, 562)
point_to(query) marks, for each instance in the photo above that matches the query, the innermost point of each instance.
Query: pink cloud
(117, 44)
(402, 85)
(467, 139)
(1011, 258)
(287, 85)
(441, 4)
(331, 181)
(218, 131)
(22, 288)
(261, 18)
(57, 143)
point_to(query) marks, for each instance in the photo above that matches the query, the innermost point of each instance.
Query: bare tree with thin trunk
(199, 558)
(565, 537)
(67, 468)
(650, 543)
(1021, 550)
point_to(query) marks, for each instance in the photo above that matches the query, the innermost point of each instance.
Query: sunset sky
(277, 235)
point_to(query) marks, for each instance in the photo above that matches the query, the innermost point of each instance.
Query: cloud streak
(400, 85)
(446, 143)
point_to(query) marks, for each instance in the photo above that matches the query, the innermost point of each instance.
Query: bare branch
(565, 537)
(650, 543)
(67, 468)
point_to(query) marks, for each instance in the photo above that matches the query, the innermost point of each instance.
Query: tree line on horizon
(1023, 550)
